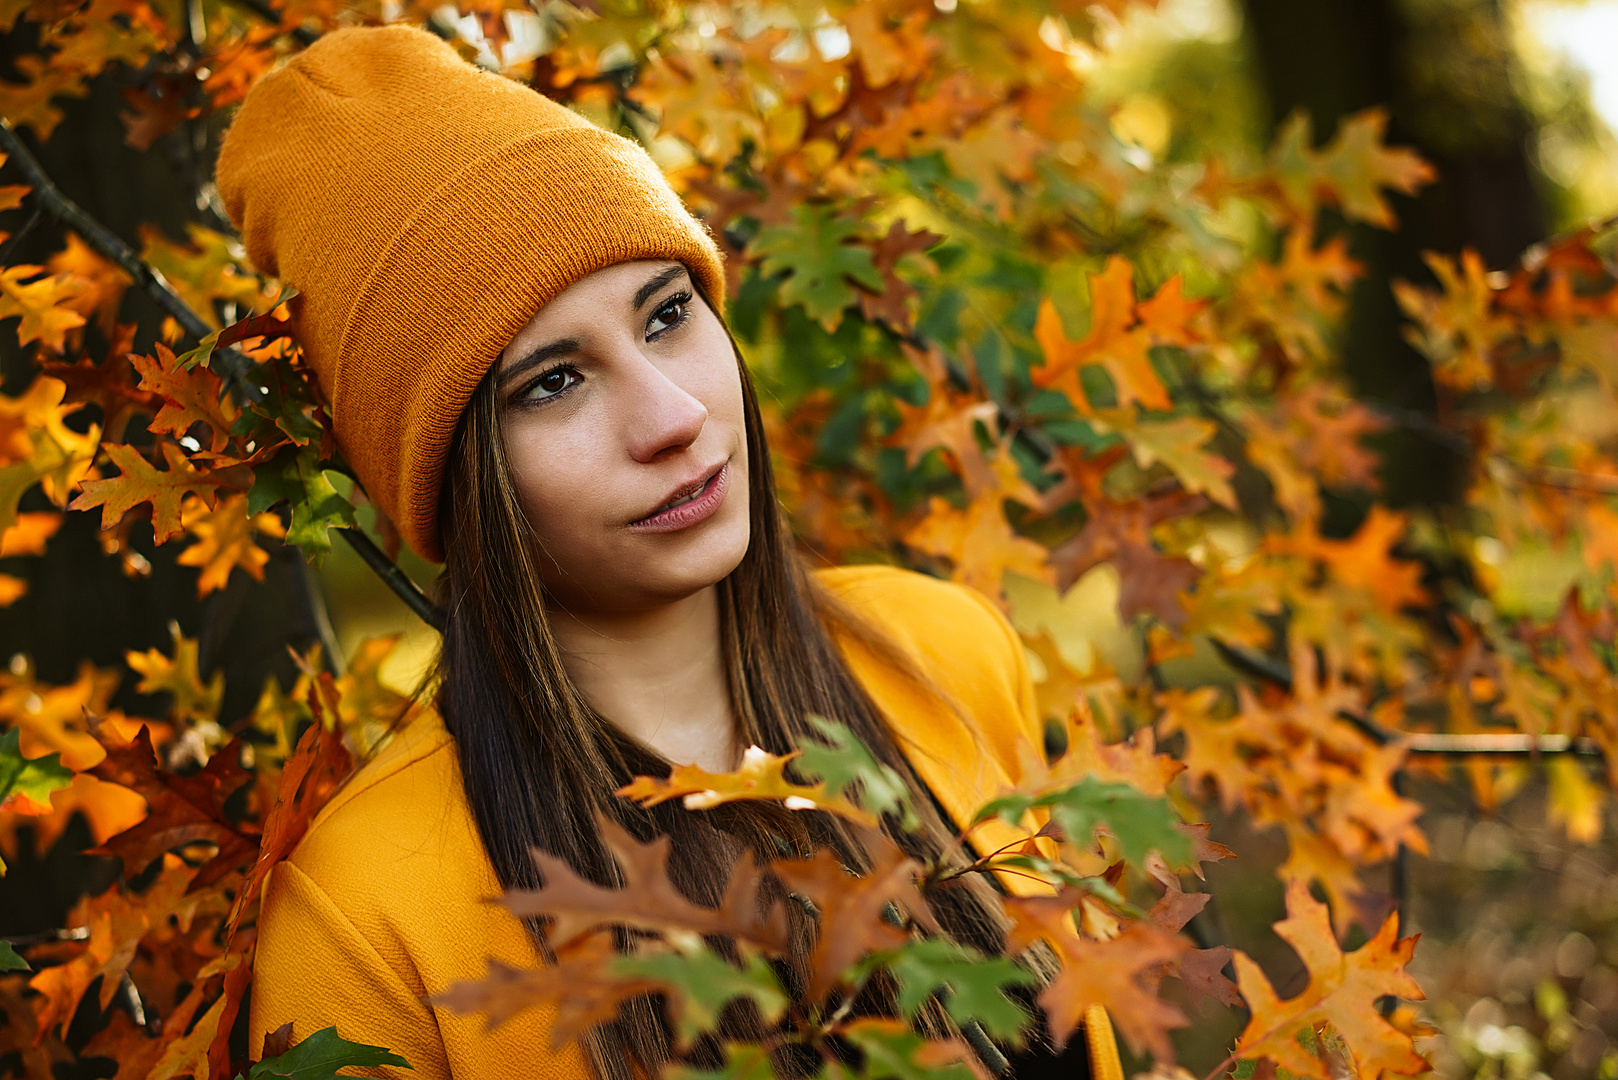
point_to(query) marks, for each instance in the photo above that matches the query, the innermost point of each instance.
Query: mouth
(689, 504)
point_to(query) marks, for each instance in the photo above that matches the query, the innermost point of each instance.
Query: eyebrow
(568, 345)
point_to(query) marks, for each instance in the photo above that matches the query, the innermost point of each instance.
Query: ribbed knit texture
(425, 209)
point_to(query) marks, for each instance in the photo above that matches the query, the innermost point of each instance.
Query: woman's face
(621, 411)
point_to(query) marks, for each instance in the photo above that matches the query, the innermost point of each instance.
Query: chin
(708, 559)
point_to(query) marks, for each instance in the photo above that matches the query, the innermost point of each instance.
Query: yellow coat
(385, 901)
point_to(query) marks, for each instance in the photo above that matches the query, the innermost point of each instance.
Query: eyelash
(683, 299)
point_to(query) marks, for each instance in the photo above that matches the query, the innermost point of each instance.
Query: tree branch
(397, 580)
(232, 364)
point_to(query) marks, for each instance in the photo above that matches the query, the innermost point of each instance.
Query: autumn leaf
(1343, 991)
(648, 899)
(1121, 533)
(189, 398)
(140, 482)
(118, 920)
(42, 304)
(310, 777)
(210, 268)
(852, 909)
(181, 810)
(1180, 445)
(761, 776)
(1121, 974)
(1350, 171)
(38, 447)
(1120, 338)
(979, 541)
(225, 540)
(191, 700)
(582, 985)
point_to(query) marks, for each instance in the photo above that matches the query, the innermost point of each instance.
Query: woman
(517, 326)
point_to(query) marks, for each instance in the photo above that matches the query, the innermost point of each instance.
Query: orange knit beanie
(425, 210)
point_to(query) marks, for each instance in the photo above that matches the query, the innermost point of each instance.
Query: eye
(672, 313)
(552, 383)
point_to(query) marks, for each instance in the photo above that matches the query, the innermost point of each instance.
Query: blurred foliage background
(1516, 104)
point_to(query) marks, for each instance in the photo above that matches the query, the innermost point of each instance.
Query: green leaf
(295, 477)
(10, 961)
(743, 1061)
(1139, 822)
(704, 984)
(890, 1051)
(35, 778)
(320, 1056)
(976, 985)
(850, 770)
(815, 251)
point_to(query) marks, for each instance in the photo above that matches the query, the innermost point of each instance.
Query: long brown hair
(539, 763)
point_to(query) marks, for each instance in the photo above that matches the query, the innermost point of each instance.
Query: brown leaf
(308, 780)
(855, 907)
(1121, 974)
(648, 900)
(180, 810)
(579, 986)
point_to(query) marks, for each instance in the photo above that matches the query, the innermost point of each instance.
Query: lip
(710, 489)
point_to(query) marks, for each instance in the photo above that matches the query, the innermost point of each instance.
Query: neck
(657, 675)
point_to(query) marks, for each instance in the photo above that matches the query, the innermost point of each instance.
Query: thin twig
(395, 578)
(1440, 744)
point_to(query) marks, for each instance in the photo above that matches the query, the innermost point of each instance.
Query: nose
(664, 417)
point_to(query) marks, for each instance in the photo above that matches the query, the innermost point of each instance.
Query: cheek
(562, 480)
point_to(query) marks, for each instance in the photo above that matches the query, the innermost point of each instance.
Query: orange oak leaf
(35, 1049)
(225, 540)
(43, 304)
(118, 920)
(109, 385)
(29, 534)
(980, 542)
(141, 482)
(761, 776)
(189, 397)
(852, 909)
(1120, 974)
(1119, 339)
(102, 282)
(37, 446)
(1343, 991)
(648, 900)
